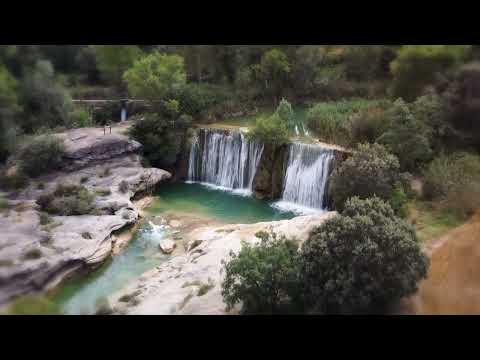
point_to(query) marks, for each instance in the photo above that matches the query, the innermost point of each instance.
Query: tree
(263, 277)
(270, 130)
(42, 155)
(273, 71)
(361, 260)
(370, 171)
(114, 60)
(407, 137)
(161, 140)
(417, 66)
(286, 114)
(45, 102)
(156, 75)
(8, 110)
(86, 63)
(462, 101)
(308, 60)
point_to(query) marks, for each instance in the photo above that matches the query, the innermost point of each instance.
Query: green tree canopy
(361, 260)
(263, 277)
(370, 171)
(417, 65)
(273, 71)
(114, 60)
(156, 75)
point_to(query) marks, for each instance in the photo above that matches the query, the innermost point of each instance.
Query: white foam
(296, 208)
(239, 192)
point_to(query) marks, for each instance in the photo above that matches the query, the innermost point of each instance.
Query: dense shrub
(152, 77)
(273, 73)
(8, 110)
(462, 101)
(107, 113)
(197, 98)
(114, 60)
(161, 139)
(367, 126)
(41, 155)
(407, 137)
(455, 180)
(67, 200)
(80, 118)
(330, 120)
(361, 260)
(45, 102)
(365, 62)
(3, 203)
(270, 130)
(370, 171)
(263, 277)
(417, 66)
(286, 115)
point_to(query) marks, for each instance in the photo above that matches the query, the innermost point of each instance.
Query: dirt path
(453, 283)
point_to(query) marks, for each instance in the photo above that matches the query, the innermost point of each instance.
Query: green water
(221, 205)
(81, 295)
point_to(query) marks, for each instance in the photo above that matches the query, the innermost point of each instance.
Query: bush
(455, 180)
(154, 76)
(67, 200)
(80, 118)
(417, 66)
(161, 139)
(329, 120)
(45, 102)
(407, 137)
(270, 130)
(42, 155)
(197, 98)
(286, 115)
(361, 260)
(367, 126)
(461, 99)
(33, 305)
(370, 171)
(264, 277)
(3, 203)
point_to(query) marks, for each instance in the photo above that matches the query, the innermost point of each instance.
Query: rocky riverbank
(191, 283)
(35, 257)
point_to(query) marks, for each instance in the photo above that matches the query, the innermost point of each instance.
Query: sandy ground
(453, 283)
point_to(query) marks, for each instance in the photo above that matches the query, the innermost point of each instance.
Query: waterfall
(224, 159)
(306, 178)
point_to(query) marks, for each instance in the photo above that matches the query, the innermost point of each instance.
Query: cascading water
(306, 178)
(225, 160)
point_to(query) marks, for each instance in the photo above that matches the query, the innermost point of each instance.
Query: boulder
(167, 246)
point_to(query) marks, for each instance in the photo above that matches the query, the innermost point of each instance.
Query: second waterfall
(223, 159)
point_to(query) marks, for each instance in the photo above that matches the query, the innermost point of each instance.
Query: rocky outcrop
(191, 283)
(89, 145)
(34, 256)
(268, 181)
